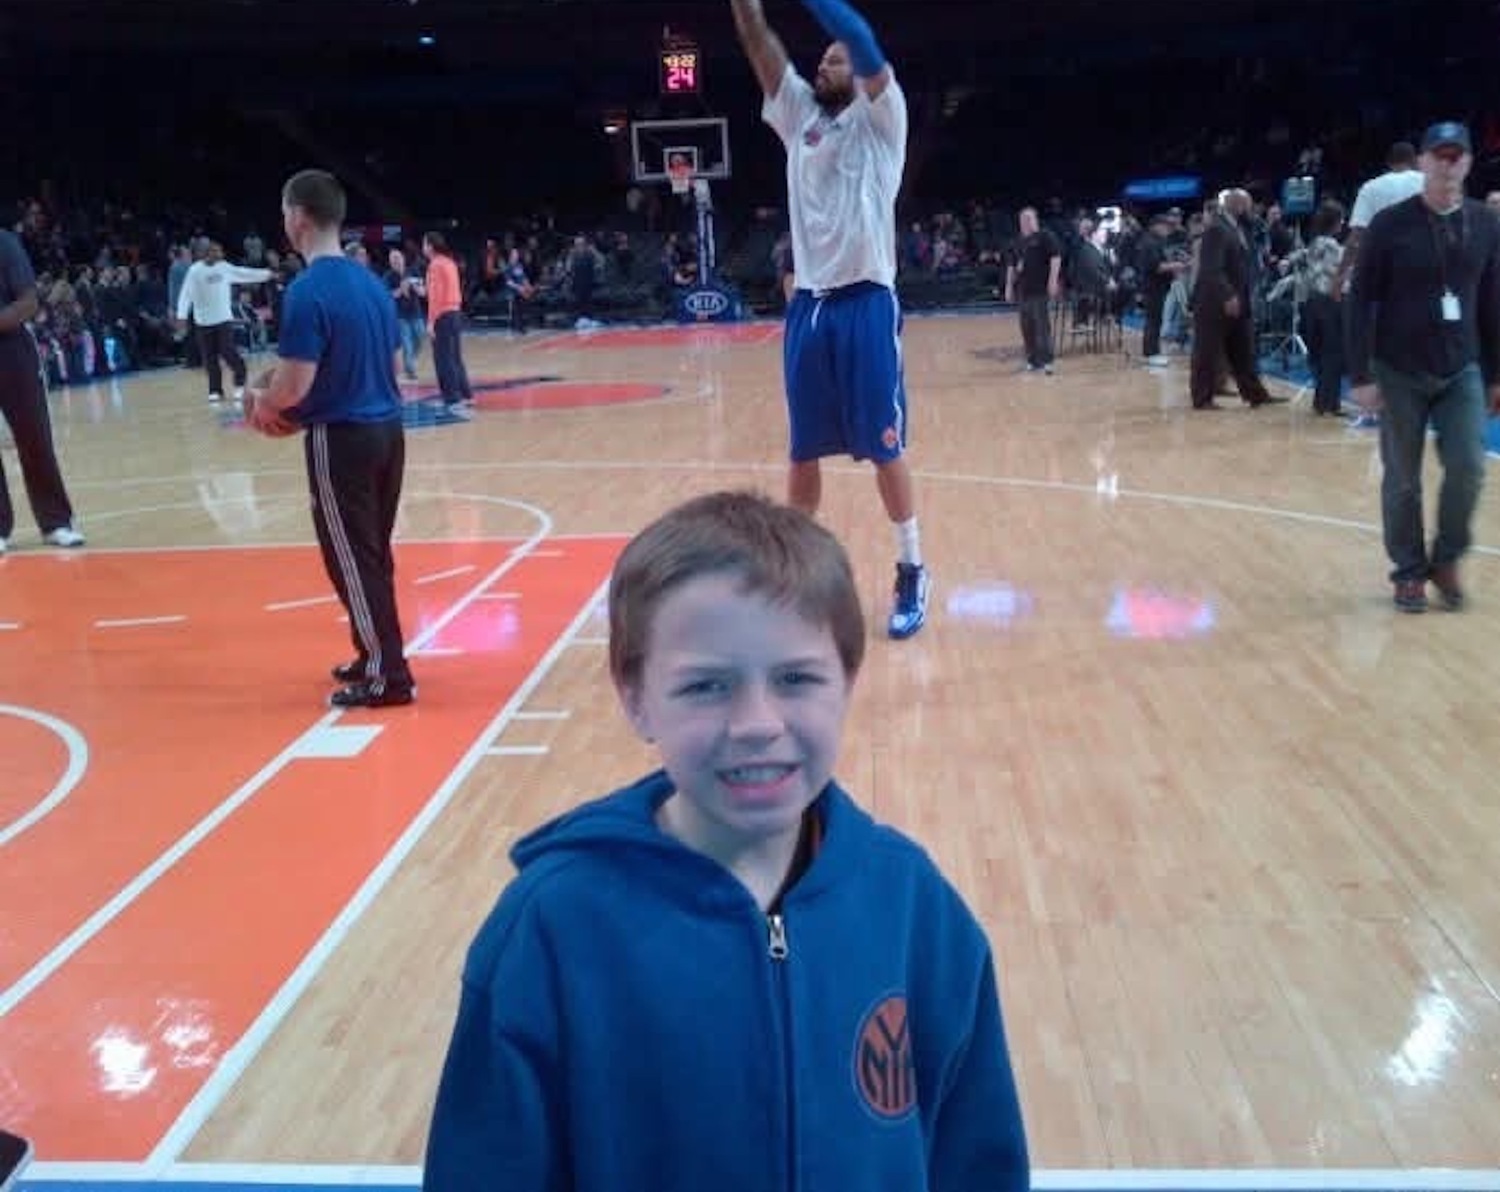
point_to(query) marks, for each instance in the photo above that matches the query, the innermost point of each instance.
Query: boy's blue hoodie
(631, 1021)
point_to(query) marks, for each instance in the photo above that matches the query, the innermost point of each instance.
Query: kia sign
(707, 304)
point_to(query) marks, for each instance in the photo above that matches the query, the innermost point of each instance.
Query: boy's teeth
(757, 773)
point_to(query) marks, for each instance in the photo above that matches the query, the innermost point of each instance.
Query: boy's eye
(801, 678)
(701, 687)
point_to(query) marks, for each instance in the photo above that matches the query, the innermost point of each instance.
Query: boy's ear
(634, 709)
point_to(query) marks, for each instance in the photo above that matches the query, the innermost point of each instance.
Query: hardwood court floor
(1232, 823)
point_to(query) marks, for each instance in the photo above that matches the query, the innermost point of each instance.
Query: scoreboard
(681, 70)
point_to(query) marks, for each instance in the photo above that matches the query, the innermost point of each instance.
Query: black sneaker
(350, 672)
(375, 693)
(1445, 580)
(1411, 596)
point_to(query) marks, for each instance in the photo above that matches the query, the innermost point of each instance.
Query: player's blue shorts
(844, 387)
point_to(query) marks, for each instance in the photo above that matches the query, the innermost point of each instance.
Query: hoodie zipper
(779, 949)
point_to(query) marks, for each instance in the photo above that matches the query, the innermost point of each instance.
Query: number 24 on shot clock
(680, 71)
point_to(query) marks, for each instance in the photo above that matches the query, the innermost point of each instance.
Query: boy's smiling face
(746, 700)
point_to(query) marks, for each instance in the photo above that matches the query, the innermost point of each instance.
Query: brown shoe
(1445, 580)
(1411, 596)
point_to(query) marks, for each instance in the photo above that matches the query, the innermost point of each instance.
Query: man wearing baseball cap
(1425, 322)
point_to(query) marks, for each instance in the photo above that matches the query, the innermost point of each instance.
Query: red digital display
(680, 71)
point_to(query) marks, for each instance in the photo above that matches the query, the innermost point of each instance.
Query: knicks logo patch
(890, 438)
(812, 138)
(884, 1072)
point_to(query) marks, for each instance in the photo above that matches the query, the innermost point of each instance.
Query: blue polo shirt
(339, 315)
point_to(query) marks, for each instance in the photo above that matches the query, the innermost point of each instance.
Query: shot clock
(681, 70)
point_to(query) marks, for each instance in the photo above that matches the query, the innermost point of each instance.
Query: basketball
(264, 380)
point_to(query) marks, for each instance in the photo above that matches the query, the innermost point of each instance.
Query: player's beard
(832, 98)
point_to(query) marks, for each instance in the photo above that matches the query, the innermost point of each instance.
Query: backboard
(661, 147)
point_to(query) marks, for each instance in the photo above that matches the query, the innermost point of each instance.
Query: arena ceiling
(479, 32)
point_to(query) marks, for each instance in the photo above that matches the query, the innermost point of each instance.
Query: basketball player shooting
(845, 139)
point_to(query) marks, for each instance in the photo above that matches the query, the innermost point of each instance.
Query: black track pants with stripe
(354, 470)
(23, 402)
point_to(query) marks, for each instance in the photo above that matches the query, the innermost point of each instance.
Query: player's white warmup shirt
(205, 291)
(1395, 186)
(842, 176)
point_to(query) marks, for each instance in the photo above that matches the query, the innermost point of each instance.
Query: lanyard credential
(1448, 304)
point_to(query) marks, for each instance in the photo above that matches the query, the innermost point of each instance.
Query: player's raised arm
(843, 24)
(764, 49)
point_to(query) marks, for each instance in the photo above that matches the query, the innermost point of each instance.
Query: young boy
(727, 976)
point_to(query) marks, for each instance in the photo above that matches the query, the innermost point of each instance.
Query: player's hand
(260, 417)
(1367, 396)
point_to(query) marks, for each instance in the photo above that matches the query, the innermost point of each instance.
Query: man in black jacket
(1425, 347)
(1222, 322)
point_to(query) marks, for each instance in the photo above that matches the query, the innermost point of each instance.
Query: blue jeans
(413, 332)
(1455, 406)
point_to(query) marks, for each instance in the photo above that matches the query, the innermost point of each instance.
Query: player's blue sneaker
(909, 613)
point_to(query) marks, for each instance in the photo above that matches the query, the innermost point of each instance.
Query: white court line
(449, 574)
(517, 751)
(544, 715)
(78, 761)
(709, 467)
(1044, 1180)
(238, 1058)
(592, 641)
(6, 625)
(501, 596)
(435, 652)
(282, 606)
(548, 554)
(142, 881)
(132, 622)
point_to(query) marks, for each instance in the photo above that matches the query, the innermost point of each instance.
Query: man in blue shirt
(336, 378)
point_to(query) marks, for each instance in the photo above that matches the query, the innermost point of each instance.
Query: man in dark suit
(1222, 323)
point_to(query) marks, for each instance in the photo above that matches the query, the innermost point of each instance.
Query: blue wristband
(843, 24)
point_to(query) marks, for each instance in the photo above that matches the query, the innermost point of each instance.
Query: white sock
(909, 542)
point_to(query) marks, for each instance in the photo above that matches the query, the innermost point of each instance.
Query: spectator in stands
(492, 269)
(1158, 266)
(624, 257)
(153, 317)
(521, 290)
(1322, 321)
(584, 269)
(182, 261)
(406, 286)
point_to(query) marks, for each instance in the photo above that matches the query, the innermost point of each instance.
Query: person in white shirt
(845, 140)
(206, 297)
(1402, 179)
